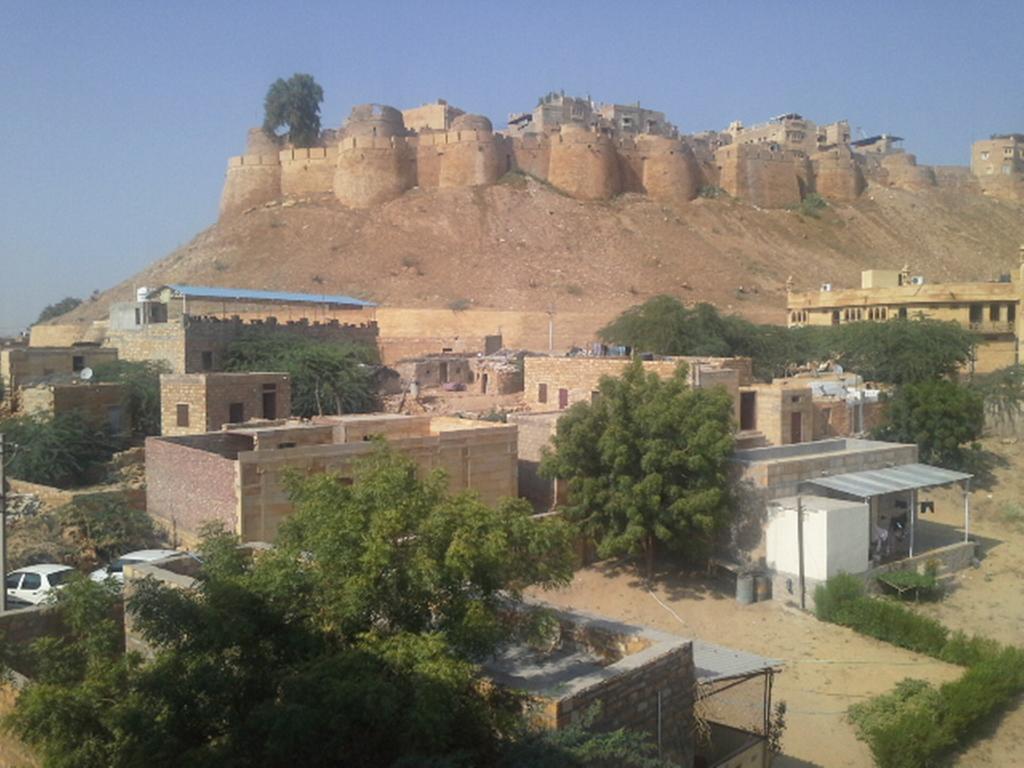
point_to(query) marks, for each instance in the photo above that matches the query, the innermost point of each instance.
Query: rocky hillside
(522, 245)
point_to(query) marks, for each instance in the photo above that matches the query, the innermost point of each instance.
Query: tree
(60, 450)
(57, 309)
(295, 103)
(1003, 394)
(893, 352)
(289, 657)
(646, 463)
(140, 390)
(326, 378)
(903, 351)
(941, 416)
(395, 552)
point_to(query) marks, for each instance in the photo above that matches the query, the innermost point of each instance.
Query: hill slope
(521, 245)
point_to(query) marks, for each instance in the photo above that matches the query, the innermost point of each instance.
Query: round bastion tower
(670, 169)
(374, 162)
(253, 178)
(584, 164)
(472, 155)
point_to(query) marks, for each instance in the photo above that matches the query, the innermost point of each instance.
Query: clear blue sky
(117, 118)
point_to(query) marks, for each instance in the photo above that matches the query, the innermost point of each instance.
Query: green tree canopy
(60, 450)
(353, 643)
(326, 378)
(893, 352)
(646, 463)
(294, 103)
(57, 309)
(140, 390)
(941, 416)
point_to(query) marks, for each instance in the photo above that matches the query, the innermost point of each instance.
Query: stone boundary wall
(411, 332)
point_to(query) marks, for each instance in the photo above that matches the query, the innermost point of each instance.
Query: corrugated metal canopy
(242, 294)
(875, 482)
(716, 662)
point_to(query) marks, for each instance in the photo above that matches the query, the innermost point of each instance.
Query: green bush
(830, 597)
(911, 582)
(813, 205)
(916, 723)
(56, 450)
(893, 623)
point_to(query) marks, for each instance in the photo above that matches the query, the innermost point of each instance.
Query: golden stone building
(990, 309)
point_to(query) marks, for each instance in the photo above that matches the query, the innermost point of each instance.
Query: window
(138, 316)
(58, 578)
(12, 581)
(207, 361)
(77, 363)
(542, 393)
(1007, 151)
(286, 445)
(993, 313)
(31, 581)
(903, 313)
(181, 411)
(1007, 167)
(984, 155)
(563, 399)
(236, 413)
(976, 312)
(1011, 313)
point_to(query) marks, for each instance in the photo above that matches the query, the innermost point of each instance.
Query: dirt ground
(827, 668)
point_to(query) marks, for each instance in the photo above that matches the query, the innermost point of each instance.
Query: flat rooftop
(829, 447)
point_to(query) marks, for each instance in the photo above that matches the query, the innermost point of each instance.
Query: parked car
(35, 583)
(115, 570)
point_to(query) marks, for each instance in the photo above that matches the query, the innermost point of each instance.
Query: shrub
(460, 305)
(893, 623)
(813, 205)
(710, 191)
(58, 450)
(909, 581)
(140, 390)
(830, 597)
(105, 527)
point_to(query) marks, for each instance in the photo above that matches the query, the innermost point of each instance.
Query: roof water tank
(141, 293)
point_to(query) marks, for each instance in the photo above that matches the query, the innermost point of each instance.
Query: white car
(35, 583)
(115, 570)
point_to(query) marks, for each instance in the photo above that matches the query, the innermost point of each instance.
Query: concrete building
(193, 403)
(191, 327)
(236, 475)
(990, 309)
(24, 366)
(998, 163)
(861, 507)
(99, 403)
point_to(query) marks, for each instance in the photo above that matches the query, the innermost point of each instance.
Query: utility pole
(800, 550)
(3, 529)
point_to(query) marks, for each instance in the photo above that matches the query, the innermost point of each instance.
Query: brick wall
(187, 486)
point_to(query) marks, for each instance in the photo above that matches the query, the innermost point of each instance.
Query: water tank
(745, 589)
(141, 293)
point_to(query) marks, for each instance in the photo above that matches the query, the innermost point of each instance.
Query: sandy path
(826, 668)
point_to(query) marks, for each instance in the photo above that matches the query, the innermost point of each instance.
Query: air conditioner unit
(826, 287)
(917, 280)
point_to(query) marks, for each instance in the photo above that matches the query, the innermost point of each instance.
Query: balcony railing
(993, 327)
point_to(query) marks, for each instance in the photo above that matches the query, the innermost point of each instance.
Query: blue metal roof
(208, 292)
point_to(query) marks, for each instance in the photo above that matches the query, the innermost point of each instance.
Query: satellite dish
(85, 374)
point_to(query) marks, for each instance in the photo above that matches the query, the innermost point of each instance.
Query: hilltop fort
(594, 151)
